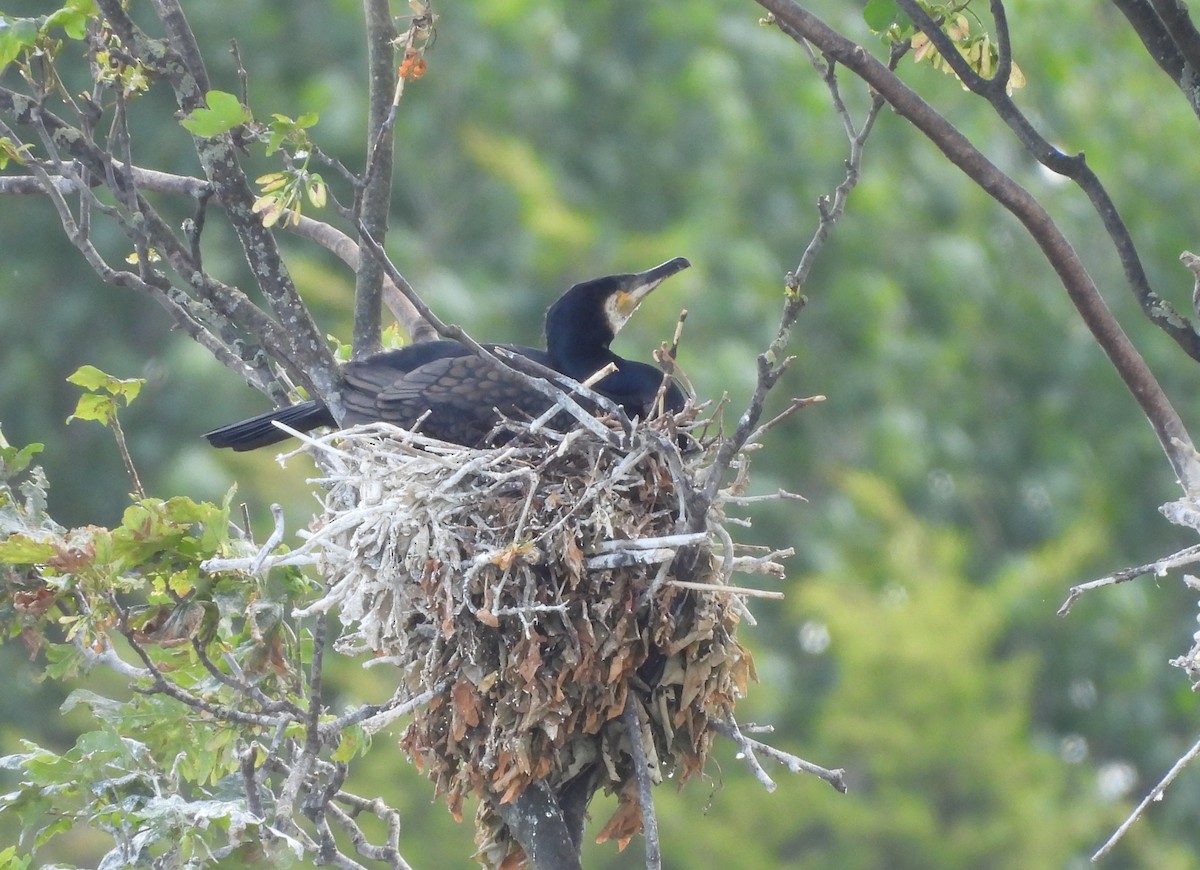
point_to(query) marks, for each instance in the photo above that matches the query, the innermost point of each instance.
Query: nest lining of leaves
(532, 590)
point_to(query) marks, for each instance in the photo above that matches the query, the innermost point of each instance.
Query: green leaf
(224, 112)
(88, 377)
(64, 662)
(13, 460)
(16, 35)
(56, 827)
(10, 860)
(93, 406)
(354, 741)
(316, 190)
(880, 15)
(92, 378)
(73, 18)
(10, 150)
(23, 550)
(105, 709)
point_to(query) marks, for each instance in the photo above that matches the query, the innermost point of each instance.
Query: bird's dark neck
(581, 362)
(577, 337)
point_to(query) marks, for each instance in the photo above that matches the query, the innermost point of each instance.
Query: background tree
(554, 141)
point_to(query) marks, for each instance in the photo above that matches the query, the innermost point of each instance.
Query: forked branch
(1141, 383)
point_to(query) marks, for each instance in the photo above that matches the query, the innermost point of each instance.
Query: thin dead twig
(1155, 794)
(1158, 568)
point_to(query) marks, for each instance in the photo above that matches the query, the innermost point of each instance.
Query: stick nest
(526, 587)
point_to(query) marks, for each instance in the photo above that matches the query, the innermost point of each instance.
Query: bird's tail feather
(259, 431)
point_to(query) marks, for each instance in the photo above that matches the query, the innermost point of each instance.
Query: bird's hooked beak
(636, 287)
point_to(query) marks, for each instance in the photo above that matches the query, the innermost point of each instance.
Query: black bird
(463, 391)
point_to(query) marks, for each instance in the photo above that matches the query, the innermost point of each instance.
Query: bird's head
(589, 315)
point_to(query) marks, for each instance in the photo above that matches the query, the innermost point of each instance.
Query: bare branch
(1160, 312)
(163, 686)
(373, 199)
(170, 13)
(772, 363)
(389, 853)
(1157, 568)
(312, 722)
(632, 717)
(1179, 26)
(1154, 36)
(397, 292)
(749, 746)
(1056, 248)
(227, 312)
(310, 360)
(326, 235)
(1155, 794)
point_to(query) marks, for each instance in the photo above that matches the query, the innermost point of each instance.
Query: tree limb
(311, 360)
(374, 199)
(1183, 33)
(1075, 167)
(1168, 427)
(1150, 30)
(536, 821)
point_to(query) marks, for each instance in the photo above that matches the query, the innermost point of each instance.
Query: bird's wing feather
(460, 393)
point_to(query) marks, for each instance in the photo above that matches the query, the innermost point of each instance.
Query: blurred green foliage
(975, 458)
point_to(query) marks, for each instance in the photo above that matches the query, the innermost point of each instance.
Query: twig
(792, 408)
(390, 853)
(1155, 794)
(309, 356)
(161, 685)
(248, 763)
(108, 657)
(725, 588)
(1158, 568)
(749, 746)
(324, 234)
(248, 564)
(127, 458)
(376, 717)
(747, 749)
(772, 363)
(275, 539)
(238, 683)
(632, 717)
(778, 495)
(292, 786)
(651, 543)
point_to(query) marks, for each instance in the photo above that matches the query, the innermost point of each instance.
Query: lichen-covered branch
(310, 359)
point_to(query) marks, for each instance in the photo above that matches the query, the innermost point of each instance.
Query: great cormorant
(462, 391)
